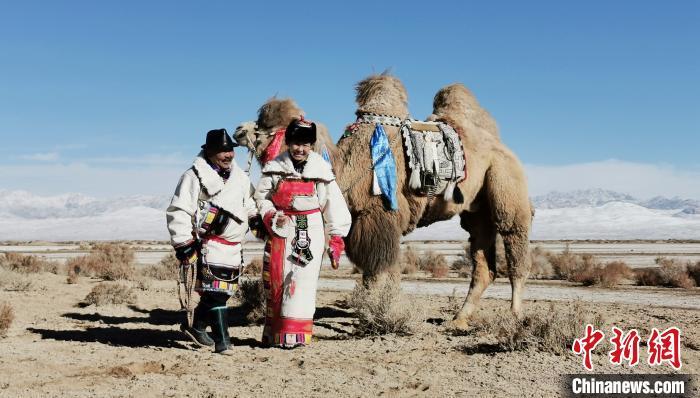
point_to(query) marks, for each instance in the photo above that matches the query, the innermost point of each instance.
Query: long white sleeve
(335, 210)
(263, 195)
(182, 208)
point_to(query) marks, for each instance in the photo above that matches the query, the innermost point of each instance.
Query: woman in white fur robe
(297, 195)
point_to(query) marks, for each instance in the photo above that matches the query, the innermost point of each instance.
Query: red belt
(222, 240)
(300, 212)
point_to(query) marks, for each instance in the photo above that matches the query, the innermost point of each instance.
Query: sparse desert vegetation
(252, 299)
(382, 308)
(12, 281)
(434, 264)
(108, 261)
(167, 269)
(254, 267)
(670, 273)
(551, 329)
(410, 261)
(7, 315)
(105, 293)
(27, 264)
(430, 262)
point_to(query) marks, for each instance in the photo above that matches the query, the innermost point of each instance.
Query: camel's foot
(458, 323)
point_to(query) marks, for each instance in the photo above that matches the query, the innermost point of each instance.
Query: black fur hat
(301, 131)
(219, 141)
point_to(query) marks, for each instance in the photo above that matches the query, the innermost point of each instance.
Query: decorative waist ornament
(283, 199)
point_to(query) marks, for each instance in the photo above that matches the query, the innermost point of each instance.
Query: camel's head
(383, 94)
(246, 135)
(273, 115)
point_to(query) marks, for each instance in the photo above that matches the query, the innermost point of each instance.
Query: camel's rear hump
(456, 105)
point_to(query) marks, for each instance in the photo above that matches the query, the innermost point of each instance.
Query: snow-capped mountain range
(583, 214)
(600, 197)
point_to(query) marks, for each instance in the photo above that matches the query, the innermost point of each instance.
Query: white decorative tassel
(431, 156)
(449, 190)
(414, 182)
(376, 190)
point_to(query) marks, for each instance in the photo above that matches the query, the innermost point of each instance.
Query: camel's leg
(517, 248)
(506, 192)
(482, 251)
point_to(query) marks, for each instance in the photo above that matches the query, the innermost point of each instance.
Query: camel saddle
(434, 153)
(435, 157)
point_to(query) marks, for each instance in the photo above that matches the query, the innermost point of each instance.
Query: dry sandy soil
(55, 348)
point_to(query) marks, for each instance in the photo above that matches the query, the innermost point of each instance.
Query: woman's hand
(336, 246)
(282, 221)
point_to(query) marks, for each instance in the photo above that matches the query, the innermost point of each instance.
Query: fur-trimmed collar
(209, 178)
(316, 167)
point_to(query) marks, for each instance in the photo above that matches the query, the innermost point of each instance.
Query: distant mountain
(580, 198)
(26, 205)
(688, 206)
(583, 214)
(600, 197)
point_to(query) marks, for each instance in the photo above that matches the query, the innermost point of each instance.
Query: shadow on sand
(118, 337)
(148, 337)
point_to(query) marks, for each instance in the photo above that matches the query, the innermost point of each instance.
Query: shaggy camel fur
(273, 115)
(495, 191)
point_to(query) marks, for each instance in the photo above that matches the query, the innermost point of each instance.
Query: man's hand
(187, 253)
(257, 227)
(336, 246)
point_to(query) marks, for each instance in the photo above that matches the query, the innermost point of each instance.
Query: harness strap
(300, 212)
(221, 240)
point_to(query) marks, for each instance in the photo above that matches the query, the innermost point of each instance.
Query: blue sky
(94, 94)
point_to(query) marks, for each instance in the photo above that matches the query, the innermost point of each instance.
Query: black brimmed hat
(219, 141)
(302, 131)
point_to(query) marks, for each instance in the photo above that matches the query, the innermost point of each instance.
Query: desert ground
(57, 347)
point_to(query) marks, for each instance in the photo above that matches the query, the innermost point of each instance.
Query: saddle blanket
(435, 157)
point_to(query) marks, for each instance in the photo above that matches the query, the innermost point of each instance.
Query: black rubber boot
(219, 330)
(198, 332)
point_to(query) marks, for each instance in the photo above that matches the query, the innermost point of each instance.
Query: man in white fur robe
(208, 218)
(297, 195)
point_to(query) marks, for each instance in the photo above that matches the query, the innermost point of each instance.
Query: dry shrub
(7, 315)
(26, 263)
(694, 272)
(143, 284)
(566, 263)
(463, 264)
(541, 267)
(410, 261)
(15, 282)
(553, 330)
(252, 297)
(454, 304)
(670, 273)
(614, 272)
(167, 269)
(435, 264)
(254, 267)
(108, 261)
(648, 277)
(110, 293)
(592, 273)
(381, 308)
